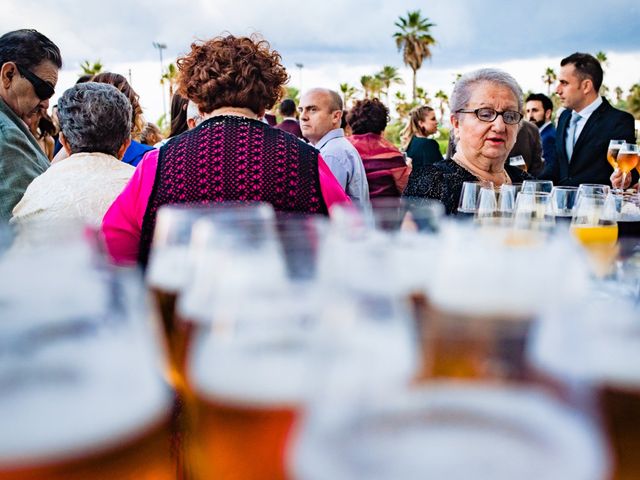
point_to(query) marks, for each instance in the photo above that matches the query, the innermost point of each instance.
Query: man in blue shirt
(320, 116)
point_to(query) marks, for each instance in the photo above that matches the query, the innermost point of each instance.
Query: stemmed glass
(563, 200)
(533, 212)
(612, 152)
(537, 186)
(627, 160)
(469, 196)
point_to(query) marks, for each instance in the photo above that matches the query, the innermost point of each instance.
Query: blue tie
(571, 134)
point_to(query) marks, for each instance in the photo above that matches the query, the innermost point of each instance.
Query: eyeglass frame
(43, 89)
(496, 113)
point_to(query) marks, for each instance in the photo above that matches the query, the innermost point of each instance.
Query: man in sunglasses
(29, 64)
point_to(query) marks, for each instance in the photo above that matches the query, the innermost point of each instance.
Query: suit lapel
(561, 134)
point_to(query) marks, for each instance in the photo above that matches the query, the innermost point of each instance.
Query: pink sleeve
(332, 191)
(122, 224)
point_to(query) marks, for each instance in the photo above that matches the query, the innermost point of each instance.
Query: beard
(539, 123)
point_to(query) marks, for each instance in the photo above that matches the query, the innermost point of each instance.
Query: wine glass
(627, 159)
(533, 212)
(469, 196)
(612, 152)
(563, 200)
(593, 189)
(537, 186)
(595, 227)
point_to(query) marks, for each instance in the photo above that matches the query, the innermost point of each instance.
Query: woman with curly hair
(387, 172)
(230, 156)
(422, 150)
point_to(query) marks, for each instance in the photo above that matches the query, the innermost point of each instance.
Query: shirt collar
(589, 109)
(544, 126)
(330, 135)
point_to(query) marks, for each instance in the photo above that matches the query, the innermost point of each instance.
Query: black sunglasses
(44, 90)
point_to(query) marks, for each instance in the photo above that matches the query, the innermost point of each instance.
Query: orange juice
(595, 235)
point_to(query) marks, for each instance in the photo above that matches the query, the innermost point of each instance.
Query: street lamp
(160, 47)
(300, 65)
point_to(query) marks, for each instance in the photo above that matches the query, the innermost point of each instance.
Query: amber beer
(627, 161)
(246, 409)
(620, 407)
(472, 347)
(612, 155)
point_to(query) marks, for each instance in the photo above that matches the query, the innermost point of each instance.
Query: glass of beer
(612, 152)
(627, 159)
(82, 390)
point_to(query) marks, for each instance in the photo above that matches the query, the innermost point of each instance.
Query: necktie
(571, 134)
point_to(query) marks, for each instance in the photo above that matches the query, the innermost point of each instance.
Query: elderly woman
(95, 124)
(387, 172)
(485, 106)
(420, 149)
(230, 156)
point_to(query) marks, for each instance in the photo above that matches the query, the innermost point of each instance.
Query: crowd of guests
(98, 160)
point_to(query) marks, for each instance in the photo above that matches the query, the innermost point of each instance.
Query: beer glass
(468, 203)
(627, 159)
(604, 358)
(250, 374)
(612, 152)
(537, 186)
(449, 430)
(82, 390)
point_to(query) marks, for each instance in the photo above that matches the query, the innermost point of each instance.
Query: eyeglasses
(510, 117)
(44, 90)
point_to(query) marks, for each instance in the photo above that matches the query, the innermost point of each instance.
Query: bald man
(320, 117)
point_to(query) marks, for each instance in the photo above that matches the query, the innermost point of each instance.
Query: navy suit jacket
(548, 137)
(589, 160)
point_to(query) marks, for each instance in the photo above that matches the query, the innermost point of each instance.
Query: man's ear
(64, 143)
(7, 72)
(123, 148)
(337, 117)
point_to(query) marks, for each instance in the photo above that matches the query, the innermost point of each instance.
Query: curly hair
(368, 116)
(120, 82)
(229, 71)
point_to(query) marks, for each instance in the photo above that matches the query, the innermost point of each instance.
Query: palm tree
(347, 92)
(618, 92)
(549, 79)
(170, 76)
(376, 86)
(633, 101)
(89, 68)
(422, 95)
(603, 59)
(389, 76)
(365, 81)
(444, 100)
(415, 40)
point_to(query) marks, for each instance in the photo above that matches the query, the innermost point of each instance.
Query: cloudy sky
(338, 40)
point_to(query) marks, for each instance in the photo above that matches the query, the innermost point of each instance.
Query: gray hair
(94, 117)
(463, 89)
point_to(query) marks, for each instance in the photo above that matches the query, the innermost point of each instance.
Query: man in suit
(289, 123)
(587, 124)
(539, 109)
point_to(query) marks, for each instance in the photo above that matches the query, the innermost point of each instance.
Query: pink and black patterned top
(226, 158)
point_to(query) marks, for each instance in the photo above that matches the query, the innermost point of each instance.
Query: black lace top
(443, 181)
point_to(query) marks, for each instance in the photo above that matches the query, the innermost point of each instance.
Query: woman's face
(429, 124)
(486, 142)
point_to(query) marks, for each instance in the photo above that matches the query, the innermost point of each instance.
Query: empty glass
(537, 186)
(593, 189)
(533, 212)
(468, 203)
(563, 200)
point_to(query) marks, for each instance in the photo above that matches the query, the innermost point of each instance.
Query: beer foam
(453, 432)
(254, 372)
(478, 274)
(76, 398)
(170, 268)
(597, 342)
